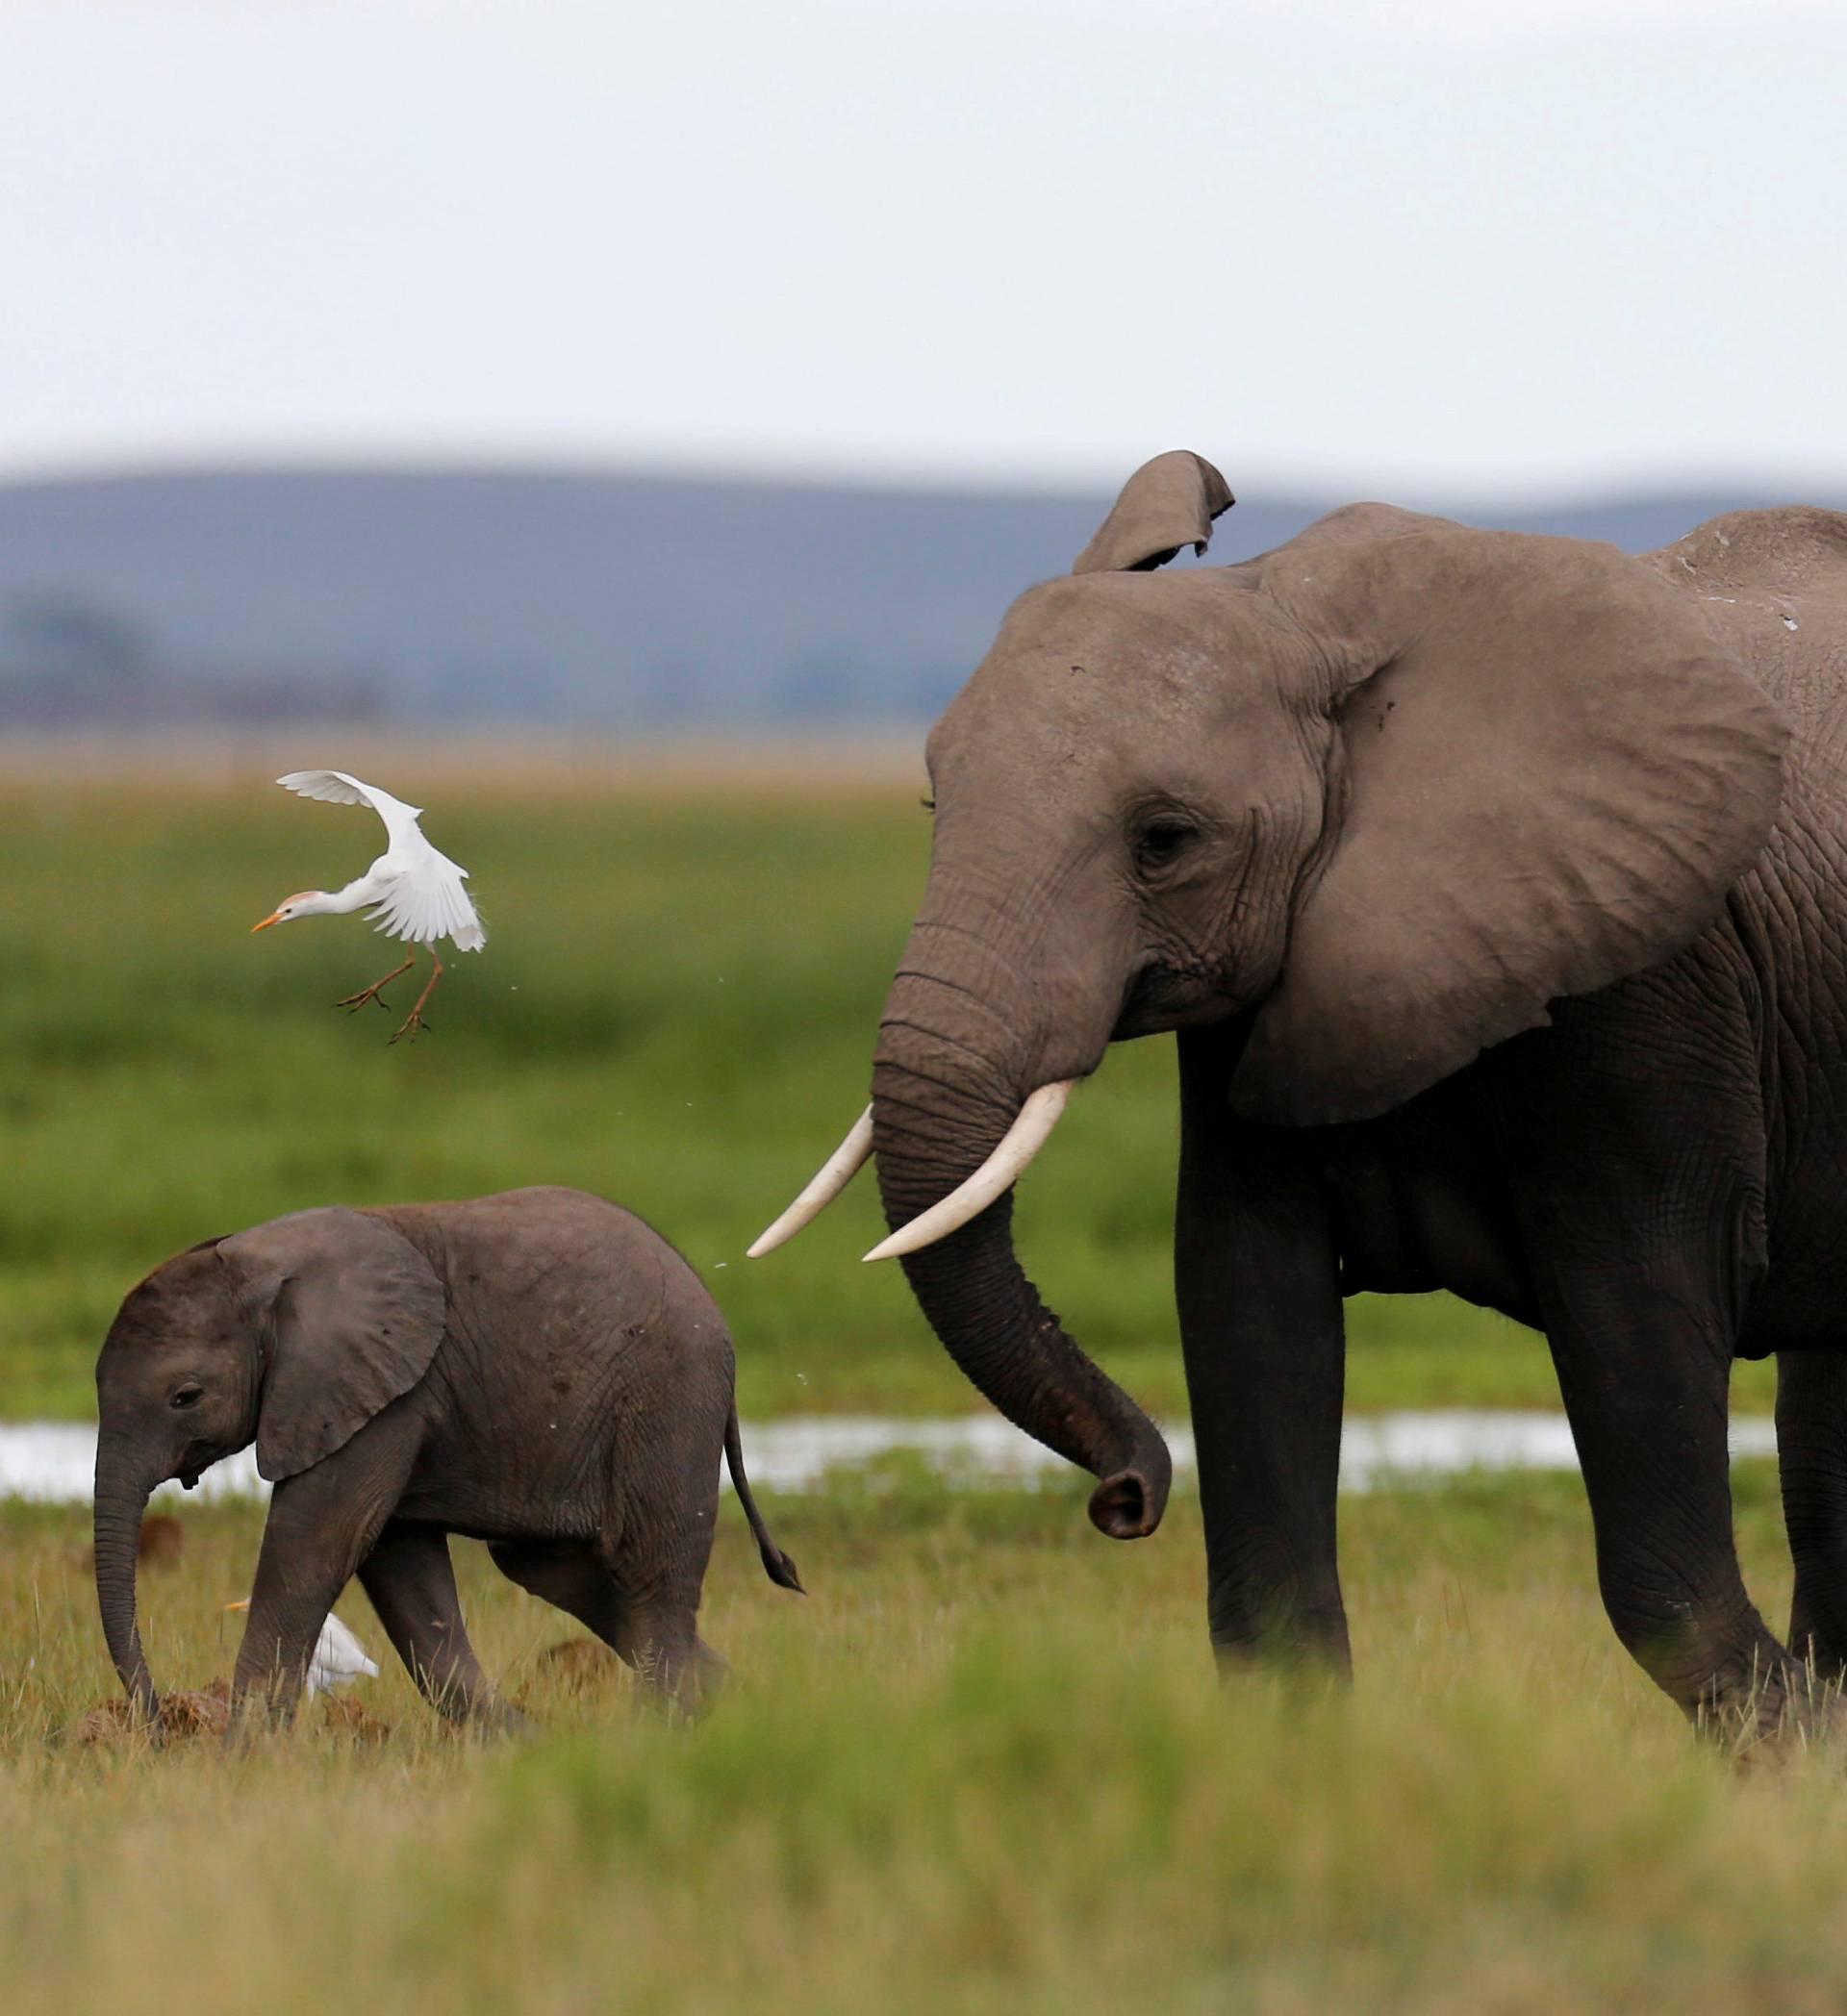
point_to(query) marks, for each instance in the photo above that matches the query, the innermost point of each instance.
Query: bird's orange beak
(242, 1603)
(275, 917)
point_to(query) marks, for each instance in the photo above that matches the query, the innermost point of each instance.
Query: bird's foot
(412, 1026)
(376, 991)
(353, 1002)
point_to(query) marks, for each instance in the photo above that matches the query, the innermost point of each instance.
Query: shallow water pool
(53, 1461)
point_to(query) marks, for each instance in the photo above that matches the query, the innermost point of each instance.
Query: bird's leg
(413, 1021)
(371, 992)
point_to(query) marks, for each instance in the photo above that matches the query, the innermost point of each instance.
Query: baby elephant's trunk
(776, 1565)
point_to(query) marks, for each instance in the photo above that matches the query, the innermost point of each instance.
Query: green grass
(676, 1009)
(984, 1767)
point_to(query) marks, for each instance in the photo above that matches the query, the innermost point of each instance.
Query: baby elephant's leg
(650, 1630)
(287, 1608)
(657, 1576)
(659, 1637)
(410, 1581)
(323, 1523)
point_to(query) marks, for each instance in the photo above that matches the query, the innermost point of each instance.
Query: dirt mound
(206, 1711)
(582, 1665)
(345, 1717)
(162, 1543)
(185, 1713)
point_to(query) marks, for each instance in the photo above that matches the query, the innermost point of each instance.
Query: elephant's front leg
(1265, 1350)
(323, 1523)
(1811, 1453)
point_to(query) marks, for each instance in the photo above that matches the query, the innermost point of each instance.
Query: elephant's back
(583, 1364)
(567, 1272)
(1774, 585)
(1794, 548)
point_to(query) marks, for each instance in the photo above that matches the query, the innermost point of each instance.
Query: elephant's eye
(1162, 840)
(188, 1396)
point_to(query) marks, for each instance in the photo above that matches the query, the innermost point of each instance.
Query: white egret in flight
(416, 892)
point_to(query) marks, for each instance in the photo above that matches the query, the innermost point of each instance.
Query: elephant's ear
(349, 1315)
(1550, 768)
(1166, 504)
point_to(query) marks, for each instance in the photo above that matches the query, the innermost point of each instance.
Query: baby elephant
(537, 1370)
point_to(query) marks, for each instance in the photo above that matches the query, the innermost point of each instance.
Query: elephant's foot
(490, 1720)
(1820, 1648)
(1788, 1709)
(678, 1684)
(256, 1712)
(1305, 1645)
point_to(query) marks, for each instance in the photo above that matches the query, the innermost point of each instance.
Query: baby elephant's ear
(1166, 504)
(349, 1315)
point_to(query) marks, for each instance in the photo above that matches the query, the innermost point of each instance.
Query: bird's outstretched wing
(426, 901)
(337, 788)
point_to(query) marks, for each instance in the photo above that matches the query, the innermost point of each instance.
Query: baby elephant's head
(292, 1335)
(180, 1371)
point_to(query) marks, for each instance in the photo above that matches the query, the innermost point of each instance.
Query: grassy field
(983, 1767)
(676, 1009)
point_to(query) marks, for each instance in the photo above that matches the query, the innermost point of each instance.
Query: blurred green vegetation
(985, 1766)
(676, 1008)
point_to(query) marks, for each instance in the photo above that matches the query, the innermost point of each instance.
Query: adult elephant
(1494, 885)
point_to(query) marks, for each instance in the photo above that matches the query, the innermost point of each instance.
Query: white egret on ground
(415, 891)
(339, 1658)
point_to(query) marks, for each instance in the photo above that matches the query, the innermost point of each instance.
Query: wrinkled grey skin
(1494, 884)
(537, 1369)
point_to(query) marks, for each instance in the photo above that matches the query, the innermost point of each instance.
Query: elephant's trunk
(121, 1498)
(937, 1113)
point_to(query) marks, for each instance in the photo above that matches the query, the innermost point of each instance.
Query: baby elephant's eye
(1162, 840)
(188, 1396)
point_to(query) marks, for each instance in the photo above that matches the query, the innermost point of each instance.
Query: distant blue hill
(556, 600)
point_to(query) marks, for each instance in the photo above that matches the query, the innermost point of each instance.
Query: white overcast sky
(1511, 247)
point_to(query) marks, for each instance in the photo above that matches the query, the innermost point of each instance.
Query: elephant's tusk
(835, 1173)
(1031, 1130)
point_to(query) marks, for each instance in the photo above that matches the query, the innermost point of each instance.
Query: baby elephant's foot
(252, 1716)
(682, 1689)
(486, 1715)
(504, 1719)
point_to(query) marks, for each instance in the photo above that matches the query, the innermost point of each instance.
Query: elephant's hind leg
(649, 1627)
(1647, 1405)
(1811, 1454)
(1640, 1195)
(410, 1581)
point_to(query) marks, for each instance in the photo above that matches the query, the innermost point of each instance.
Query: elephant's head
(1380, 796)
(293, 1334)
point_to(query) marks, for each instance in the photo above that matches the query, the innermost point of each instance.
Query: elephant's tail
(776, 1565)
